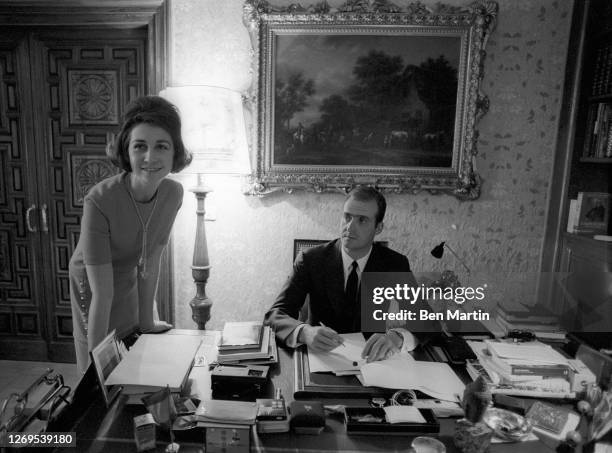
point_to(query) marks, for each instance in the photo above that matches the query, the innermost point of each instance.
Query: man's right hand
(320, 338)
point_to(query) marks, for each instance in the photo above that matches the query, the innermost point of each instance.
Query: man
(328, 275)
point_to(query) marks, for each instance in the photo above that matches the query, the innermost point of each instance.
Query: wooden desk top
(102, 430)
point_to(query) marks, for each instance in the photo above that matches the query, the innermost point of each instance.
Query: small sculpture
(476, 399)
(472, 435)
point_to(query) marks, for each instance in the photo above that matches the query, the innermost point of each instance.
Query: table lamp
(213, 129)
(448, 278)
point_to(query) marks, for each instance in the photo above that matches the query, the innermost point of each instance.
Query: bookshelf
(582, 159)
(590, 169)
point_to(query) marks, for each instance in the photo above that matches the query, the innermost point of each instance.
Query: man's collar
(347, 260)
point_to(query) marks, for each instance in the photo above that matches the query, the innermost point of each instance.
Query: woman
(126, 223)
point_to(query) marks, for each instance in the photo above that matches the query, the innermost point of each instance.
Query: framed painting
(367, 93)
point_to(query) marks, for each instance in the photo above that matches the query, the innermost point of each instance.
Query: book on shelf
(598, 143)
(602, 237)
(241, 335)
(572, 216)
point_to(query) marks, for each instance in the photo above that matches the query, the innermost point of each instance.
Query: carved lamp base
(200, 311)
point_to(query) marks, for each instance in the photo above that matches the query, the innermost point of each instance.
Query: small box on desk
(372, 420)
(307, 417)
(239, 382)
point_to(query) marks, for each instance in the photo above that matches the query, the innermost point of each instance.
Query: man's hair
(156, 111)
(366, 193)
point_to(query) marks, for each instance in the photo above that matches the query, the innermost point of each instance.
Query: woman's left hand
(159, 327)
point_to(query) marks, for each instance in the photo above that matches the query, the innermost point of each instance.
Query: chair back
(300, 245)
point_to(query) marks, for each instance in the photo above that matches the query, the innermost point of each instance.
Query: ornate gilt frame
(473, 24)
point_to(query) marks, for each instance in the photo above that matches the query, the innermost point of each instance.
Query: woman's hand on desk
(159, 327)
(380, 346)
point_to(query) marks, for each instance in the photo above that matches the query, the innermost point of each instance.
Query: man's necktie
(352, 285)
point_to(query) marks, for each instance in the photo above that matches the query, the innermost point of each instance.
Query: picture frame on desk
(104, 358)
(593, 212)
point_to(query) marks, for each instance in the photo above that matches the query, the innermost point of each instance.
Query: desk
(102, 430)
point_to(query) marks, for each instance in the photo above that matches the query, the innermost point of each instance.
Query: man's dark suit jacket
(318, 272)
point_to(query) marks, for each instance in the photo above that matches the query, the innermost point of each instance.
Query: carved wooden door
(68, 89)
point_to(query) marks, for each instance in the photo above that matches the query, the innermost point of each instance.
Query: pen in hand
(323, 325)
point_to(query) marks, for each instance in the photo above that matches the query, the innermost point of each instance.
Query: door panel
(62, 95)
(22, 318)
(79, 94)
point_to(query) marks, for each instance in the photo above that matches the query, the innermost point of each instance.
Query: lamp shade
(438, 251)
(213, 128)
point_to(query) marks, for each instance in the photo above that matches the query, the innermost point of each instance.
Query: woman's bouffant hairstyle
(156, 111)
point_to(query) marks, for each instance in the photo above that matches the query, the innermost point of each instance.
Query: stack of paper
(537, 319)
(264, 353)
(241, 335)
(154, 362)
(401, 371)
(533, 385)
(211, 413)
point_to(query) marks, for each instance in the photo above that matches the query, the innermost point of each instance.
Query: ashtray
(507, 425)
(423, 444)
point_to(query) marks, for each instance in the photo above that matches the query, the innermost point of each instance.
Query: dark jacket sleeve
(283, 314)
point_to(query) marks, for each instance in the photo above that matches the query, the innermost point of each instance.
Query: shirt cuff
(292, 340)
(409, 343)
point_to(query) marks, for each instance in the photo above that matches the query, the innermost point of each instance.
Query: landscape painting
(365, 100)
(366, 93)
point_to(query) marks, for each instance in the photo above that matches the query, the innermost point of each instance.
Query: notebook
(156, 361)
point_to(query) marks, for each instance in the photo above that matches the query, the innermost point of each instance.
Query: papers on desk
(345, 359)
(154, 362)
(401, 371)
(512, 374)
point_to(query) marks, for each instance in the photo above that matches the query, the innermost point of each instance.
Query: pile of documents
(527, 369)
(247, 342)
(537, 319)
(400, 371)
(226, 413)
(154, 362)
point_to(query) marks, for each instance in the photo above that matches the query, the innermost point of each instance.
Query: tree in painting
(291, 97)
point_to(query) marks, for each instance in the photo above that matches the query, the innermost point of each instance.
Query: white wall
(250, 242)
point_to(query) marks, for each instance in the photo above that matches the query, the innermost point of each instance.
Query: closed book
(540, 370)
(154, 362)
(527, 325)
(234, 355)
(528, 359)
(528, 314)
(270, 359)
(226, 411)
(241, 335)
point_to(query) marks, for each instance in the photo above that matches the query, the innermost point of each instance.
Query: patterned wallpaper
(250, 241)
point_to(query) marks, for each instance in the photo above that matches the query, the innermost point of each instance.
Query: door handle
(43, 212)
(31, 229)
